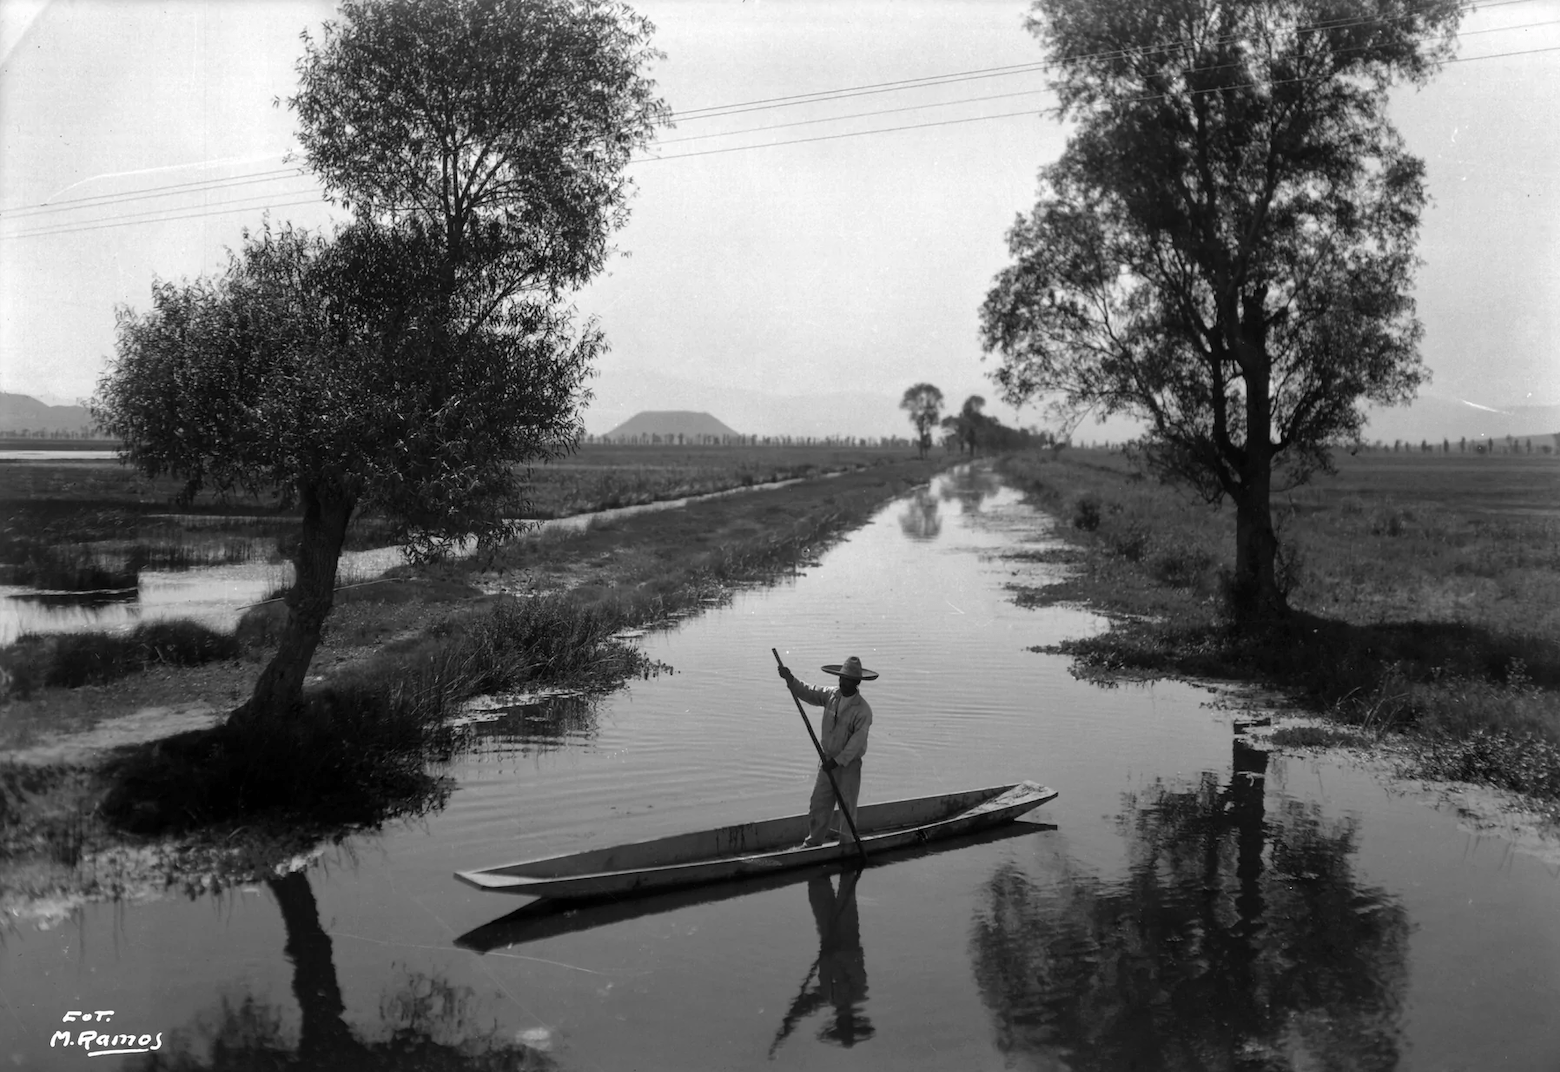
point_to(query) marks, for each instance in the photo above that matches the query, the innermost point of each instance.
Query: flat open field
(1467, 484)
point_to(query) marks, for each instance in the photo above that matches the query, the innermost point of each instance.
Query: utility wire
(969, 100)
(155, 215)
(1026, 111)
(196, 186)
(233, 207)
(720, 110)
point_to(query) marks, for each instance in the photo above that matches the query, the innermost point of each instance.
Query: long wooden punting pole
(821, 757)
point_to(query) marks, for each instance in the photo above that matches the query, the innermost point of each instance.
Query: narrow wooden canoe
(551, 917)
(760, 848)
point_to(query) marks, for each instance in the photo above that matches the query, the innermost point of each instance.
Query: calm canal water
(1183, 904)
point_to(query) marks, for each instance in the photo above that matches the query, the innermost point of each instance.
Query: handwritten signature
(103, 1043)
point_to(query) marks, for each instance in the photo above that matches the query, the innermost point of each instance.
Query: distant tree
(924, 404)
(969, 423)
(409, 363)
(1225, 249)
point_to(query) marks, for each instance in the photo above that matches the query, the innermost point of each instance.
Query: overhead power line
(819, 96)
(962, 100)
(1009, 115)
(76, 204)
(736, 108)
(131, 222)
(200, 186)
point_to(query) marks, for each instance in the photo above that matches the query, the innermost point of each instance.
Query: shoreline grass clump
(71, 660)
(353, 755)
(1423, 603)
(356, 751)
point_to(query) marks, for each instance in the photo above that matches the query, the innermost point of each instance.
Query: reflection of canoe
(550, 918)
(759, 848)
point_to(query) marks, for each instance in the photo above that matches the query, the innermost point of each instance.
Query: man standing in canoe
(846, 719)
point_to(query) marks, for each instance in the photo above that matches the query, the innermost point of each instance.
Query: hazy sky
(828, 265)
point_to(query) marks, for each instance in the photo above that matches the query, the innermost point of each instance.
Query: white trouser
(822, 809)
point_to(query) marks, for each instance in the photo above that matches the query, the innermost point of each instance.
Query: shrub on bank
(356, 751)
(70, 660)
(353, 754)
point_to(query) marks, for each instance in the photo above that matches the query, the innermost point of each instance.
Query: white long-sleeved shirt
(846, 720)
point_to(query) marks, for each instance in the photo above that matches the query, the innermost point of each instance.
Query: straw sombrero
(850, 668)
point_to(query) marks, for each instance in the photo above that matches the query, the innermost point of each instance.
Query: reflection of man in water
(840, 970)
(846, 719)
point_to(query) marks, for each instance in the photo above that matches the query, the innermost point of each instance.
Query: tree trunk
(1256, 592)
(280, 687)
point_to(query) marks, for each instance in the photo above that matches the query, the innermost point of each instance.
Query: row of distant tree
(1511, 445)
(682, 439)
(968, 429)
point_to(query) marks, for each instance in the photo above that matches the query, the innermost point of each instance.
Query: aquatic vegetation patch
(70, 660)
(1315, 737)
(1526, 763)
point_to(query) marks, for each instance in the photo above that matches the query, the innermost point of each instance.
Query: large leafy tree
(505, 125)
(924, 404)
(410, 362)
(328, 372)
(1225, 248)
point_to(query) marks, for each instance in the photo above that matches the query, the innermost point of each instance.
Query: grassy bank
(397, 661)
(90, 525)
(1425, 589)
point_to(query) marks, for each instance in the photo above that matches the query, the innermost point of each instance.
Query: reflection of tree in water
(838, 978)
(921, 519)
(538, 725)
(1237, 941)
(968, 485)
(431, 1024)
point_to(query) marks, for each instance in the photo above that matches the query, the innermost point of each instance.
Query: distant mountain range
(23, 413)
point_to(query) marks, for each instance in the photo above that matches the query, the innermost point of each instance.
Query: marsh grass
(353, 755)
(70, 660)
(356, 752)
(60, 816)
(1316, 737)
(1425, 592)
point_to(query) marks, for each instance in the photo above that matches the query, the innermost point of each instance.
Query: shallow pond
(1185, 903)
